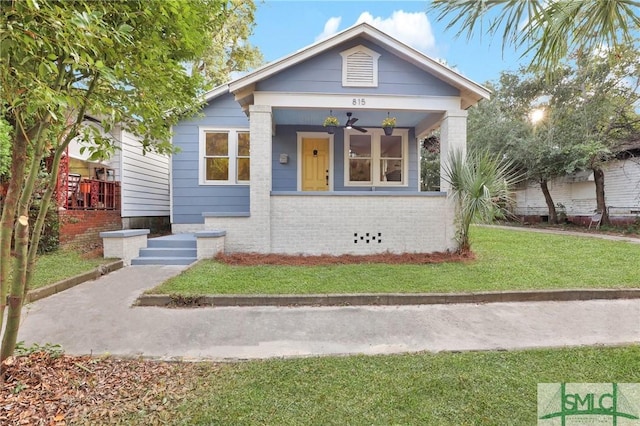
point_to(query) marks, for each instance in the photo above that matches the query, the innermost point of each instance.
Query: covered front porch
(342, 215)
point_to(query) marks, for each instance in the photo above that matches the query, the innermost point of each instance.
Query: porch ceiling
(366, 118)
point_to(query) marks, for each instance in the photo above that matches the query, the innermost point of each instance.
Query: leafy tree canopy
(123, 61)
(138, 64)
(588, 109)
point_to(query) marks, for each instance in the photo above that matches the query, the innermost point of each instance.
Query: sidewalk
(96, 317)
(570, 233)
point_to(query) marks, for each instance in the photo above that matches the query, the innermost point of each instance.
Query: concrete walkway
(96, 317)
(601, 236)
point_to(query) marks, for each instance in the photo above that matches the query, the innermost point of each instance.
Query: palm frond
(549, 30)
(480, 187)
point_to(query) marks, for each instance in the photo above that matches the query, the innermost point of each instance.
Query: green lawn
(490, 388)
(61, 264)
(506, 260)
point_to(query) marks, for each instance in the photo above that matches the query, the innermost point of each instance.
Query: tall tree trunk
(19, 285)
(553, 216)
(15, 297)
(601, 204)
(9, 209)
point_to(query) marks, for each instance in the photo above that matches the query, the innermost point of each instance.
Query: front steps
(180, 249)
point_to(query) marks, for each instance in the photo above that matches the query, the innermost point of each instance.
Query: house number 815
(358, 101)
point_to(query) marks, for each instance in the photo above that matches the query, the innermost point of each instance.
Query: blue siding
(323, 73)
(285, 175)
(190, 199)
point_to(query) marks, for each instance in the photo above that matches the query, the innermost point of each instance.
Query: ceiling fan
(350, 124)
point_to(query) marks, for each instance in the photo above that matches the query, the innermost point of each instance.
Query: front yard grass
(506, 260)
(53, 267)
(441, 389)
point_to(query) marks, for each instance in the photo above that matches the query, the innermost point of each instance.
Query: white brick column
(453, 136)
(260, 120)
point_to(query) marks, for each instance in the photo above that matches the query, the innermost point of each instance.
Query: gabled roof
(470, 91)
(216, 92)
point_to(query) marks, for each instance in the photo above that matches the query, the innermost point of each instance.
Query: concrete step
(168, 252)
(180, 249)
(163, 261)
(171, 243)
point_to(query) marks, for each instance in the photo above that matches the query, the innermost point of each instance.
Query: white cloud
(330, 27)
(412, 28)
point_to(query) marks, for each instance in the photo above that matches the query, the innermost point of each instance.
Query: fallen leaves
(39, 389)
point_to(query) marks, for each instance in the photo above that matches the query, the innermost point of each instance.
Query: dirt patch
(41, 389)
(251, 259)
(93, 253)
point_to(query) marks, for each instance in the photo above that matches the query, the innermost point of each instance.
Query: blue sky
(283, 27)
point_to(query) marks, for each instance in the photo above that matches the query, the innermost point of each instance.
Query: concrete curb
(65, 284)
(163, 300)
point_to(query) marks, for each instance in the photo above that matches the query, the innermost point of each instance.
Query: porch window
(360, 158)
(374, 159)
(224, 156)
(242, 158)
(391, 159)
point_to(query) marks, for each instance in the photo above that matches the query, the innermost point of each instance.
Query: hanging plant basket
(388, 124)
(331, 122)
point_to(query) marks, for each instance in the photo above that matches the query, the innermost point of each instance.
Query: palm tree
(480, 187)
(549, 29)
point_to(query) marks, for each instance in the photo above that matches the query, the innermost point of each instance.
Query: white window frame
(345, 59)
(233, 155)
(376, 134)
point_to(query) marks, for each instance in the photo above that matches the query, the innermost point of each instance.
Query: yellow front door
(315, 164)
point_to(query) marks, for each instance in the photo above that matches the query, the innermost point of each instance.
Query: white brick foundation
(327, 224)
(340, 224)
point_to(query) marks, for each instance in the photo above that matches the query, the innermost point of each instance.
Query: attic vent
(359, 67)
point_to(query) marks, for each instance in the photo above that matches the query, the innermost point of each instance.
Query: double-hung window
(224, 155)
(374, 159)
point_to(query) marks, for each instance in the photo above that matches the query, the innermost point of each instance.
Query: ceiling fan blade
(360, 129)
(353, 121)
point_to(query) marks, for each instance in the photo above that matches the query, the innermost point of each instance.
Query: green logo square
(588, 404)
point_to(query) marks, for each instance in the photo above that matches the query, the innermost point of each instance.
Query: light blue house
(259, 164)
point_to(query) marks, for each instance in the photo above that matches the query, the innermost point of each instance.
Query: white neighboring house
(133, 183)
(577, 192)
